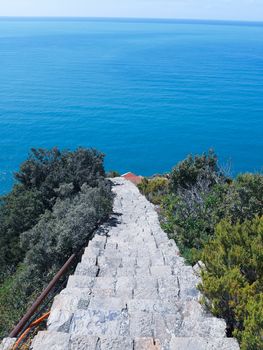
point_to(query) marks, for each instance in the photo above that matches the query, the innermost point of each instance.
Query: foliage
(19, 211)
(12, 303)
(249, 197)
(219, 220)
(113, 173)
(195, 202)
(61, 199)
(196, 170)
(198, 201)
(154, 189)
(66, 229)
(233, 279)
(46, 170)
(45, 176)
(252, 335)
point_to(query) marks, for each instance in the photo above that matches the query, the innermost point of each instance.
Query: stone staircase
(132, 290)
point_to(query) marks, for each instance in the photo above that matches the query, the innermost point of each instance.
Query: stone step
(86, 270)
(63, 341)
(78, 281)
(51, 340)
(197, 343)
(100, 323)
(183, 319)
(7, 343)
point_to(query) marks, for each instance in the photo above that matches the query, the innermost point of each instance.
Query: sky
(248, 10)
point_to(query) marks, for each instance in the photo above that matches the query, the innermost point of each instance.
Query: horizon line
(132, 18)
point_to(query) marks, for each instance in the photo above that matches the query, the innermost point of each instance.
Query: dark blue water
(146, 93)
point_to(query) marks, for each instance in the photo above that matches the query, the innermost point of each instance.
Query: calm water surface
(146, 93)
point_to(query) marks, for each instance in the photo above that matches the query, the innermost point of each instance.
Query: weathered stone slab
(198, 343)
(142, 262)
(82, 342)
(92, 253)
(84, 270)
(7, 343)
(141, 324)
(157, 258)
(77, 281)
(101, 323)
(88, 261)
(147, 344)
(97, 244)
(143, 271)
(146, 288)
(125, 287)
(107, 304)
(160, 330)
(123, 343)
(62, 310)
(107, 271)
(126, 271)
(51, 341)
(168, 288)
(163, 307)
(161, 271)
(104, 283)
(111, 261)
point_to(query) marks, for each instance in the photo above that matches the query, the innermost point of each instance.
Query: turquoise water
(146, 93)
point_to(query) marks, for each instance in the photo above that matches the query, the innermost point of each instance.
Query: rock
(7, 343)
(51, 341)
(147, 344)
(125, 343)
(198, 343)
(82, 342)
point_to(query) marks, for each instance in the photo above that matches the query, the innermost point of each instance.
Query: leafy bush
(201, 196)
(12, 303)
(249, 197)
(61, 199)
(66, 229)
(154, 189)
(219, 220)
(195, 202)
(45, 176)
(113, 173)
(252, 335)
(200, 169)
(19, 211)
(46, 170)
(233, 279)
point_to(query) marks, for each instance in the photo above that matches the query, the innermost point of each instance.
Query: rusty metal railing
(30, 312)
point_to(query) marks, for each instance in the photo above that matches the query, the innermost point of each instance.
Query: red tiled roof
(133, 178)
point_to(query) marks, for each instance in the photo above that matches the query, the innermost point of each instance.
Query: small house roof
(133, 178)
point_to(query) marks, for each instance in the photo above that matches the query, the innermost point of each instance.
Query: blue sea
(144, 92)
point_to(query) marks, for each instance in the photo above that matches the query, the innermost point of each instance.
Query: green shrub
(252, 336)
(12, 302)
(66, 229)
(200, 168)
(154, 189)
(19, 211)
(249, 197)
(46, 170)
(113, 174)
(233, 279)
(61, 199)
